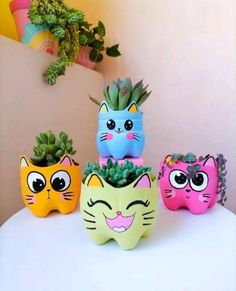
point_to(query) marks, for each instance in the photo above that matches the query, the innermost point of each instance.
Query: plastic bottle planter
(55, 187)
(83, 57)
(39, 37)
(190, 185)
(19, 10)
(120, 132)
(123, 214)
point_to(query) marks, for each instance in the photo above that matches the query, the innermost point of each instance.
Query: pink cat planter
(192, 185)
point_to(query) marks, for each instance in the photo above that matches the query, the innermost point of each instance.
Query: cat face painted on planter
(124, 214)
(120, 132)
(190, 185)
(55, 187)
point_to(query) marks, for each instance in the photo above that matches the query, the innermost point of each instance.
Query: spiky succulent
(121, 93)
(50, 149)
(115, 174)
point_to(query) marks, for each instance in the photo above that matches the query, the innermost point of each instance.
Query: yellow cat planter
(124, 214)
(55, 187)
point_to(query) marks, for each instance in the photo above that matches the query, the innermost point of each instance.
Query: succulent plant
(121, 93)
(115, 174)
(188, 158)
(50, 149)
(93, 37)
(63, 22)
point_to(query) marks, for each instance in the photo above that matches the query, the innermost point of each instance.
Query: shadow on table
(168, 222)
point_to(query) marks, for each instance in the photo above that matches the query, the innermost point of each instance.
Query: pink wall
(186, 51)
(29, 106)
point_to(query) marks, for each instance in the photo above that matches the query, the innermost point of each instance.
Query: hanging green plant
(93, 37)
(63, 22)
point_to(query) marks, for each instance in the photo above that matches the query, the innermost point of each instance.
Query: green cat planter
(123, 213)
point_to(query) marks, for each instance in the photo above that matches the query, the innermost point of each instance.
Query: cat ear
(94, 181)
(23, 162)
(133, 108)
(66, 161)
(143, 182)
(210, 162)
(103, 108)
(168, 161)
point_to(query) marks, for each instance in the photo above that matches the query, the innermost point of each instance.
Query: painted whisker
(29, 195)
(136, 139)
(103, 136)
(89, 213)
(148, 212)
(67, 193)
(30, 203)
(91, 228)
(168, 191)
(168, 196)
(91, 221)
(67, 198)
(146, 224)
(146, 218)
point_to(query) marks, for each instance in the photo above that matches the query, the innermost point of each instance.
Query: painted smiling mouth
(120, 223)
(188, 197)
(118, 131)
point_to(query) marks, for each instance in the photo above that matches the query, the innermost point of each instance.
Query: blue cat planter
(120, 132)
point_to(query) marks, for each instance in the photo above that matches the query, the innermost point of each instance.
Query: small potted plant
(58, 29)
(35, 36)
(50, 180)
(92, 45)
(63, 22)
(120, 121)
(192, 183)
(19, 10)
(118, 202)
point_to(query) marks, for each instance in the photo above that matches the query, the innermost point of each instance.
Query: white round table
(185, 253)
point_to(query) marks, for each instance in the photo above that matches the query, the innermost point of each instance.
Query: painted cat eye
(178, 179)
(60, 181)
(91, 203)
(36, 182)
(199, 182)
(135, 202)
(111, 124)
(128, 124)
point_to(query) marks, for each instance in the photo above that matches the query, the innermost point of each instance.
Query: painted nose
(118, 212)
(48, 194)
(188, 190)
(118, 128)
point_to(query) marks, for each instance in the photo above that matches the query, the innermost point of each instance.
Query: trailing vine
(221, 161)
(63, 22)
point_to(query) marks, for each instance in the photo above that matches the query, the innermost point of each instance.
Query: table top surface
(186, 252)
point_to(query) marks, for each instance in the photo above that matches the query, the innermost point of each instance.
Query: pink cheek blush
(109, 136)
(130, 135)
